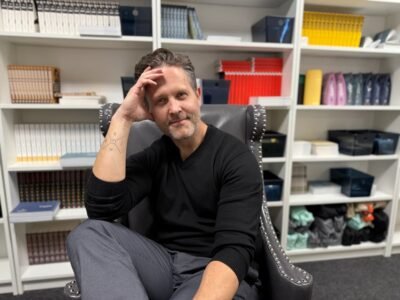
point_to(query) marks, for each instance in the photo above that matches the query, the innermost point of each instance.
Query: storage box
(215, 91)
(299, 179)
(353, 182)
(273, 144)
(384, 142)
(324, 148)
(353, 142)
(135, 20)
(273, 186)
(301, 148)
(273, 29)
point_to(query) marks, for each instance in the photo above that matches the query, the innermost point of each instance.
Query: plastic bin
(273, 144)
(135, 20)
(353, 182)
(273, 29)
(273, 186)
(215, 91)
(384, 142)
(353, 142)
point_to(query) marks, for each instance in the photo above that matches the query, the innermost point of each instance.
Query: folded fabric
(381, 224)
(328, 211)
(297, 241)
(357, 222)
(352, 237)
(300, 216)
(329, 231)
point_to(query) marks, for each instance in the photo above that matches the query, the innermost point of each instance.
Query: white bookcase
(97, 63)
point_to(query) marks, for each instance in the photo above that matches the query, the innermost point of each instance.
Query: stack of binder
(180, 22)
(254, 77)
(33, 84)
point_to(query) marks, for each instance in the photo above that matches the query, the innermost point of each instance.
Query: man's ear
(198, 94)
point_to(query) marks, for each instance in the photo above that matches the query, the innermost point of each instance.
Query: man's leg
(188, 272)
(112, 262)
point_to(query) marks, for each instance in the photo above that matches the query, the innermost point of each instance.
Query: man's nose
(174, 106)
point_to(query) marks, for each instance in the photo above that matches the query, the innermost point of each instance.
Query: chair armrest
(282, 280)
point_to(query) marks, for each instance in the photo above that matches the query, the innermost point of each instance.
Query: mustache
(179, 117)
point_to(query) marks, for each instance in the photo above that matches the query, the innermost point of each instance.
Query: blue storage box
(353, 182)
(353, 142)
(273, 186)
(384, 142)
(273, 30)
(215, 91)
(135, 20)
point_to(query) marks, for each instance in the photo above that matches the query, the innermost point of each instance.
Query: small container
(135, 20)
(353, 182)
(384, 142)
(273, 29)
(324, 148)
(322, 187)
(353, 142)
(215, 91)
(273, 186)
(301, 148)
(273, 144)
(299, 184)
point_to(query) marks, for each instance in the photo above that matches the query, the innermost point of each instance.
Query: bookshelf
(97, 63)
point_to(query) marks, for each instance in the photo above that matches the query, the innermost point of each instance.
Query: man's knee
(85, 231)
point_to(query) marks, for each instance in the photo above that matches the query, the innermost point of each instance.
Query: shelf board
(310, 199)
(349, 107)
(71, 214)
(55, 40)
(336, 252)
(41, 166)
(370, 7)
(203, 45)
(12, 106)
(396, 238)
(274, 203)
(269, 160)
(248, 3)
(5, 272)
(342, 157)
(313, 50)
(272, 102)
(48, 271)
(1, 220)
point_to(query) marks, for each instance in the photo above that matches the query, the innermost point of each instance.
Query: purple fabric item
(329, 92)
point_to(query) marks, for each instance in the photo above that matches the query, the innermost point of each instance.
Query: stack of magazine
(34, 211)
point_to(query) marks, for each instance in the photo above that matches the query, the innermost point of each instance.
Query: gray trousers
(112, 262)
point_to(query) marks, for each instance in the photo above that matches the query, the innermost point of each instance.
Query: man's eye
(181, 95)
(162, 101)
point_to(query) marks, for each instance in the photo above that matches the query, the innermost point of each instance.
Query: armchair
(280, 279)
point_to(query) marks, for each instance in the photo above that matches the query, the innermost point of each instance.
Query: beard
(183, 126)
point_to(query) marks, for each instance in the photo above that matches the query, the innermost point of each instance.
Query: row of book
(73, 17)
(48, 142)
(66, 186)
(261, 76)
(47, 247)
(33, 84)
(180, 22)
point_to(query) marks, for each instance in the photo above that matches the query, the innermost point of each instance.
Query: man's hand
(219, 282)
(134, 107)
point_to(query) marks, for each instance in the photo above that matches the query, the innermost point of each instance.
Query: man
(203, 184)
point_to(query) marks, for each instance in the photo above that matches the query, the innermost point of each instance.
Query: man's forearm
(111, 159)
(219, 282)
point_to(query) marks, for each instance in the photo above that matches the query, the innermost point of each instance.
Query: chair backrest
(229, 118)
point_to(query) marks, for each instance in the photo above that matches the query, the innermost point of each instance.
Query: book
(34, 211)
(79, 159)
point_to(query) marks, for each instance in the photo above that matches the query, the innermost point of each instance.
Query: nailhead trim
(285, 268)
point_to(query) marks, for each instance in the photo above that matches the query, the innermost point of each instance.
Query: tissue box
(301, 148)
(324, 187)
(324, 148)
(215, 91)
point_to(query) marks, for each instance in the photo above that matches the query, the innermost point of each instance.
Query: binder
(313, 86)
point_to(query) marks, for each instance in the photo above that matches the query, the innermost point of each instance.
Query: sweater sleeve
(239, 209)
(111, 200)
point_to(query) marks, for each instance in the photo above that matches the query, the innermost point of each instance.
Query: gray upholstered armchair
(280, 279)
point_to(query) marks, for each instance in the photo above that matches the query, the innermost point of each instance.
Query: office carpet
(372, 278)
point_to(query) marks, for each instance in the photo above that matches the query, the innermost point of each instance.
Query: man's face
(174, 105)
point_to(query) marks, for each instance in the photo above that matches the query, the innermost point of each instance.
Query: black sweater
(207, 205)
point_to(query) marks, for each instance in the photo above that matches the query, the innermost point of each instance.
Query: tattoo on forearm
(111, 142)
